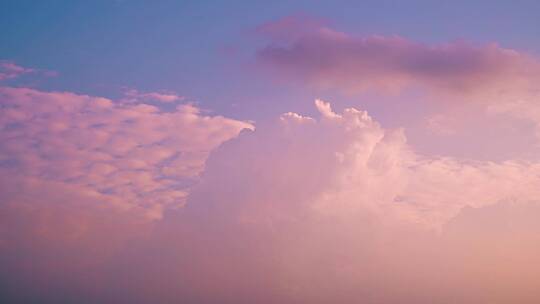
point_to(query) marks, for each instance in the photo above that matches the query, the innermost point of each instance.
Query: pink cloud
(326, 58)
(136, 152)
(166, 97)
(361, 167)
(292, 27)
(340, 209)
(461, 85)
(328, 209)
(9, 70)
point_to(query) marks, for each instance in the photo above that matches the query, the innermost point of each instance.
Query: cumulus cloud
(145, 156)
(339, 209)
(359, 165)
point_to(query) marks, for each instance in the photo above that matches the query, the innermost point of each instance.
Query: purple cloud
(326, 58)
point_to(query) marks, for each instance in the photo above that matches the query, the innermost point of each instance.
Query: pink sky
(150, 197)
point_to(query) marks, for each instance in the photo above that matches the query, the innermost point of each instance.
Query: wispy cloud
(133, 95)
(9, 70)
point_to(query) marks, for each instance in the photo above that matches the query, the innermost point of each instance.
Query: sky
(269, 152)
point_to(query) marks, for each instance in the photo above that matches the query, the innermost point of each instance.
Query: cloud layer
(301, 210)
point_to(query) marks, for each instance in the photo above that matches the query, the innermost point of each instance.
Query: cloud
(526, 109)
(329, 59)
(292, 27)
(476, 83)
(302, 210)
(339, 209)
(165, 97)
(359, 166)
(146, 156)
(9, 70)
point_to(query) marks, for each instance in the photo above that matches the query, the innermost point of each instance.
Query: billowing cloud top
(301, 210)
(360, 167)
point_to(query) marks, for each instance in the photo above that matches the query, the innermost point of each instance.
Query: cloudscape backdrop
(253, 152)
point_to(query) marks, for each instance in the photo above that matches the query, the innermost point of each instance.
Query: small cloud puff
(9, 70)
(133, 95)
